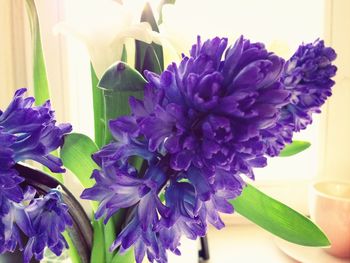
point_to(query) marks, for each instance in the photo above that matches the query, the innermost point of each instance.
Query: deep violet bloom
(49, 218)
(33, 131)
(307, 75)
(214, 107)
(29, 132)
(200, 126)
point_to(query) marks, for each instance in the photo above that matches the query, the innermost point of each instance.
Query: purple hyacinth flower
(216, 105)
(35, 130)
(49, 217)
(307, 75)
(201, 125)
(28, 132)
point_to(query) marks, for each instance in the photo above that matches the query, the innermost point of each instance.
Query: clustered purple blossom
(30, 133)
(307, 76)
(202, 125)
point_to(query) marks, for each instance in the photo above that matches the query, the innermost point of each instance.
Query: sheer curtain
(13, 56)
(16, 58)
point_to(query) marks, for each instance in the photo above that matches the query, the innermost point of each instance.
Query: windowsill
(244, 243)
(236, 243)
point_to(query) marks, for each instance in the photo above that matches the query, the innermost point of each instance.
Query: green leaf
(76, 156)
(278, 218)
(148, 16)
(121, 77)
(41, 86)
(109, 236)
(149, 54)
(294, 148)
(98, 243)
(146, 58)
(98, 105)
(151, 61)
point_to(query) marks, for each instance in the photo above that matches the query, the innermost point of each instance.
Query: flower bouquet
(173, 147)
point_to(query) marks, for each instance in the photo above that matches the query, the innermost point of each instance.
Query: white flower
(104, 26)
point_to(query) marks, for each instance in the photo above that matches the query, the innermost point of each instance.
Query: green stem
(98, 247)
(97, 98)
(109, 237)
(73, 252)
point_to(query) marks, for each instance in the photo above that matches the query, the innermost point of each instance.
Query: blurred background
(281, 24)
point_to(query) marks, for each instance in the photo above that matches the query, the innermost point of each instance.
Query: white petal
(104, 56)
(141, 31)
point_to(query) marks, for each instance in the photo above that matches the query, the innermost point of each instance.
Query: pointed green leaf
(151, 61)
(121, 77)
(76, 156)
(155, 52)
(294, 148)
(146, 58)
(278, 218)
(148, 16)
(41, 86)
